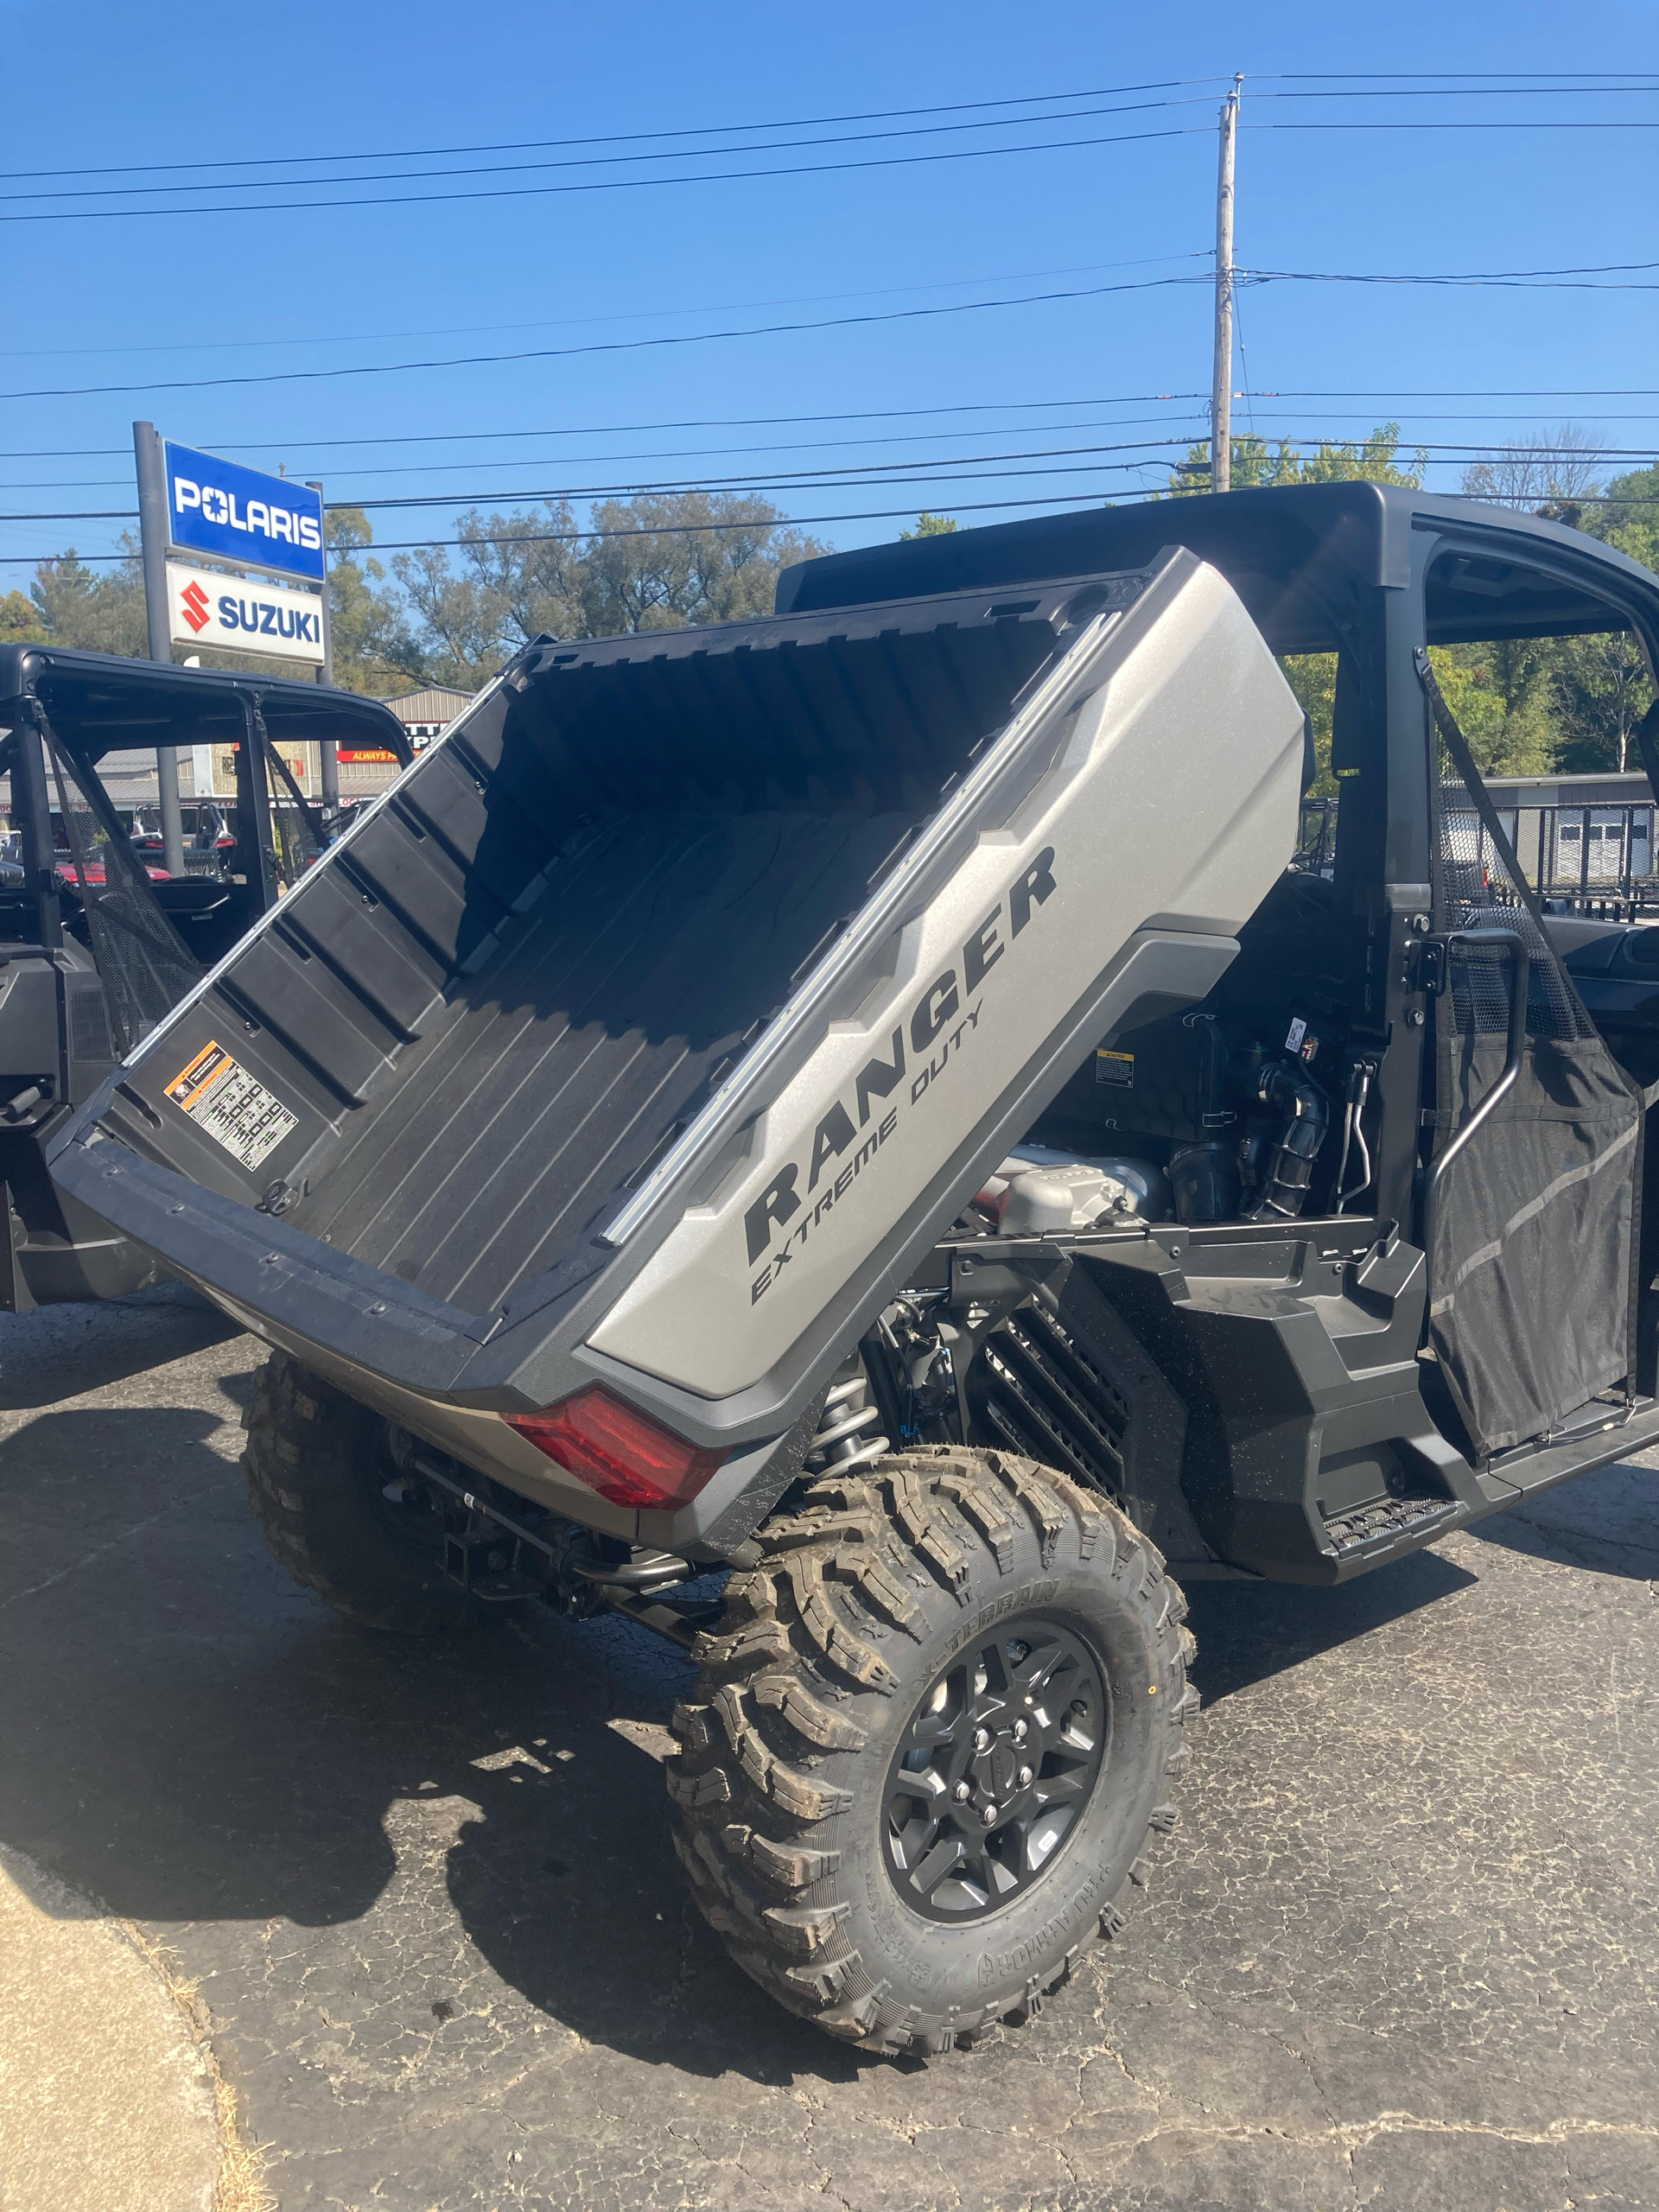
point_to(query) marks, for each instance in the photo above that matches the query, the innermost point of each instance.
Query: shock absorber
(840, 1444)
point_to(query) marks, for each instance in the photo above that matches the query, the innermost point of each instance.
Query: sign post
(330, 749)
(153, 536)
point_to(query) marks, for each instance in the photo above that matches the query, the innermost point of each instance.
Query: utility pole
(328, 750)
(1221, 390)
(154, 530)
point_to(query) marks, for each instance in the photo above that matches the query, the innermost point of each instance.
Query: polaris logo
(262, 518)
(241, 515)
(917, 1055)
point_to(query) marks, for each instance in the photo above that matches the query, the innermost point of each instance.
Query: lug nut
(988, 1816)
(1019, 1731)
(962, 1793)
(981, 1739)
(1025, 1777)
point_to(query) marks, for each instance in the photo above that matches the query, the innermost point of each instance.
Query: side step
(1380, 1527)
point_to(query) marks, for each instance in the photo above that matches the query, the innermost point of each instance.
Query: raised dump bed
(601, 948)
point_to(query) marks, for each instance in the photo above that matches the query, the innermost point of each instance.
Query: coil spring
(838, 1445)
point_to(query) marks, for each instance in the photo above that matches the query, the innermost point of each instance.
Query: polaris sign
(242, 515)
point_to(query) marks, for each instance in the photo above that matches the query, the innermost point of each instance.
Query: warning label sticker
(234, 1107)
(1115, 1067)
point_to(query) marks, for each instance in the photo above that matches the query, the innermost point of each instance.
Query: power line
(727, 176)
(1530, 279)
(1450, 85)
(930, 469)
(1608, 123)
(1439, 76)
(867, 415)
(595, 345)
(577, 323)
(614, 138)
(787, 522)
(711, 153)
(598, 160)
(1535, 280)
(677, 452)
(607, 184)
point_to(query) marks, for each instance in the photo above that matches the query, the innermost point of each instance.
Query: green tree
(1627, 515)
(1568, 704)
(1375, 460)
(373, 647)
(929, 525)
(20, 620)
(103, 614)
(652, 563)
(1502, 695)
(661, 561)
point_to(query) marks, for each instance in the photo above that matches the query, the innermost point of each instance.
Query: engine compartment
(1255, 1104)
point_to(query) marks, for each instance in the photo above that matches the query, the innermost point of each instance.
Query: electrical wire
(1463, 123)
(865, 415)
(928, 471)
(599, 345)
(1346, 83)
(933, 469)
(607, 184)
(618, 137)
(763, 146)
(608, 161)
(577, 323)
(1193, 424)
(1531, 280)
(785, 523)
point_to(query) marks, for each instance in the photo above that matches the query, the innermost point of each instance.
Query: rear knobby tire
(318, 1470)
(797, 1748)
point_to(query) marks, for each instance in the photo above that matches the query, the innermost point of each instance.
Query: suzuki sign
(242, 515)
(207, 608)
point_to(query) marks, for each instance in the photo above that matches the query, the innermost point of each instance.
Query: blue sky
(95, 302)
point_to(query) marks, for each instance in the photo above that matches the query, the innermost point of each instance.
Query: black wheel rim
(1003, 1755)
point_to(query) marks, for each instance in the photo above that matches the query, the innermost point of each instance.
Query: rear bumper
(388, 1346)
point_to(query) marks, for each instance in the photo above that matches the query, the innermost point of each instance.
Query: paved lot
(1403, 1953)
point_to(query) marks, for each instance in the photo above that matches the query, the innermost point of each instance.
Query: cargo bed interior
(501, 998)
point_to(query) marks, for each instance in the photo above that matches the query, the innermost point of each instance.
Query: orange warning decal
(189, 1082)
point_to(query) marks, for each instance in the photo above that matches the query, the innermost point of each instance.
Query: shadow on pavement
(190, 1737)
(1607, 1521)
(61, 1351)
(1248, 1631)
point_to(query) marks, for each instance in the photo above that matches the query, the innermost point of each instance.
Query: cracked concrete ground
(1402, 1952)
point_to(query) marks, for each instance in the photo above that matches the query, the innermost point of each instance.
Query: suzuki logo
(195, 604)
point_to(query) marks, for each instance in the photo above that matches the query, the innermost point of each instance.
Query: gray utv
(98, 939)
(859, 1141)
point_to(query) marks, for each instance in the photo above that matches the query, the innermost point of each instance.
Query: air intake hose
(1284, 1090)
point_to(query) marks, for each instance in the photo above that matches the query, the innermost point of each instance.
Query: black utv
(876, 1103)
(98, 939)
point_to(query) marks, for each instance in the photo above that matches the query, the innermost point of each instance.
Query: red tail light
(617, 1452)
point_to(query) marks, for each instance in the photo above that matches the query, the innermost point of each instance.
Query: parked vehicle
(98, 940)
(866, 1103)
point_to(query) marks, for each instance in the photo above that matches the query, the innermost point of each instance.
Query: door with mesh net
(142, 961)
(1530, 1232)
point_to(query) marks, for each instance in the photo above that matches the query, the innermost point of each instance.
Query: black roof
(1294, 553)
(106, 702)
